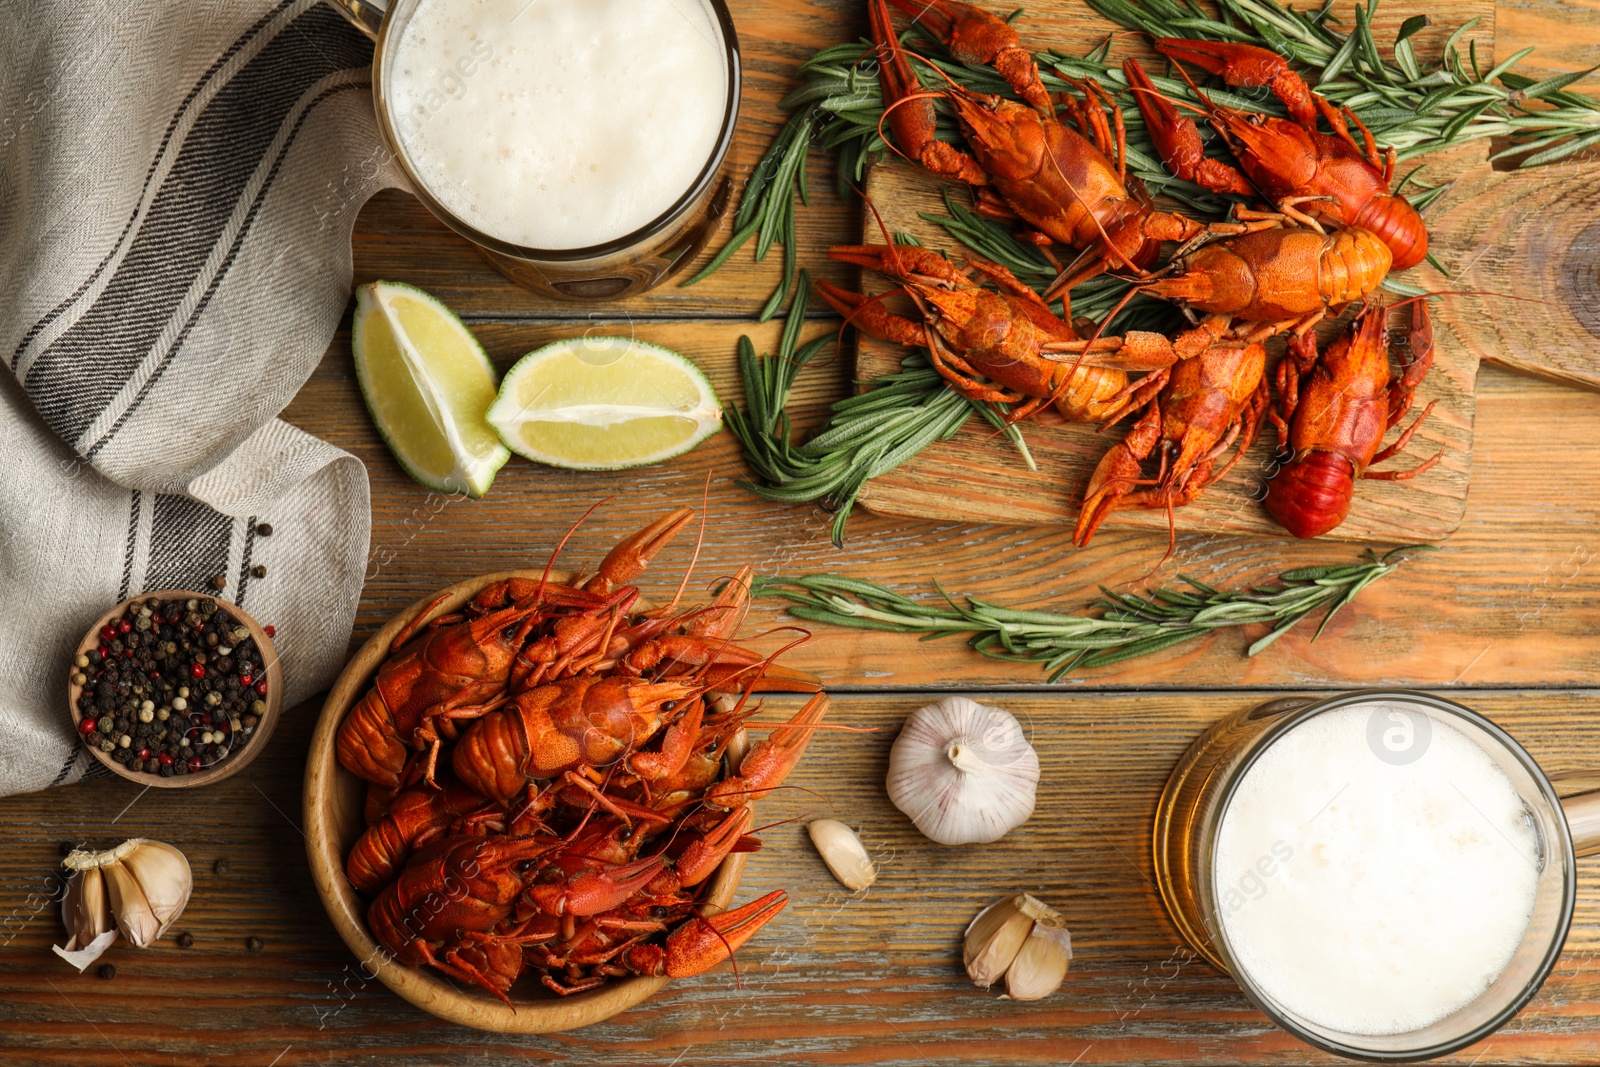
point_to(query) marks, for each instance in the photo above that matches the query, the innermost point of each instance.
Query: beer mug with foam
(583, 148)
(1387, 875)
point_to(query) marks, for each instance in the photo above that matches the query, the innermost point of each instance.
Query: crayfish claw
(629, 558)
(769, 762)
(1246, 65)
(702, 943)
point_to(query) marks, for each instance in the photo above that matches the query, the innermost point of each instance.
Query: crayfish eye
(524, 866)
(669, 705)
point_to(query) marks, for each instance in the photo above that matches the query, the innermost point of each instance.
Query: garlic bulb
(1023, 939)
(843, 852)
(963, 772)
(137, 889)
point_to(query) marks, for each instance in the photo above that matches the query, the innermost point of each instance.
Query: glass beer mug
(1246, 815)
(682, 199)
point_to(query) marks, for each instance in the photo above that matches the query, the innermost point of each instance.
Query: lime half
(604, 403)
(427, 385)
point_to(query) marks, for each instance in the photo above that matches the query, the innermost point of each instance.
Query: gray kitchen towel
(178, 183)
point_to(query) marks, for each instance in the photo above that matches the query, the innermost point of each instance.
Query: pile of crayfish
(554, 774)
(1326, 231)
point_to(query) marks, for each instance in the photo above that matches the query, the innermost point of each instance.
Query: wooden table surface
(1504, 616)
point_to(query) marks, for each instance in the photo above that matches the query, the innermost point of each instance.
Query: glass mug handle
(367, 15)
(1580, 803)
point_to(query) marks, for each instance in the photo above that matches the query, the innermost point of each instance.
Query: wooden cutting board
(1531, 234)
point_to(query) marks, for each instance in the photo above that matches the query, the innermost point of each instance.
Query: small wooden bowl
(334, 819)
(233, 764)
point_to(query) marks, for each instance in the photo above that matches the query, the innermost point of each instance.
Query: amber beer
(1387, 875)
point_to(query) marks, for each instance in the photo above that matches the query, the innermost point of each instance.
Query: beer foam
(1367, 894)
(553, 124)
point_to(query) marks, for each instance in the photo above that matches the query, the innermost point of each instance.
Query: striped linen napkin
(178, 184)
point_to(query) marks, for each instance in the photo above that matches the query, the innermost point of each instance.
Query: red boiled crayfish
(580, 817)
(412, 819)
(995, 346)
(1252, 287)
(450, 906)
(1336, 409)
(1212, 402)
(614, 945)
(1307, 174)
(1069, 187)
(462, 663)
(544, 732)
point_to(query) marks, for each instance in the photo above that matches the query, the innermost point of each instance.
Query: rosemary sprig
(1126, 627)
(865, 436)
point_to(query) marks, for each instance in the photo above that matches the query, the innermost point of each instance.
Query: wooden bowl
(334, 802)
(227, 768)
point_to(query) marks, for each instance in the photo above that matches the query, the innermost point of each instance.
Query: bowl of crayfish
(528, 797)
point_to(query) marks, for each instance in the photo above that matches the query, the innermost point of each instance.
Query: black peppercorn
(264, 529)
(218, 582)
(185, 940)
(222, 866)
(254, 944)
(259, 570)
(107, 971)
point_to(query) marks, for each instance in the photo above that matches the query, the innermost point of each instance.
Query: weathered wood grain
(837, 978)
(1511, 599)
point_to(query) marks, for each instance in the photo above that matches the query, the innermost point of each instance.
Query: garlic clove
(963, 772)
(843, 852)
(1041, 964)
(993, 940)
(164, 877)
(86, 909)
(134, 917)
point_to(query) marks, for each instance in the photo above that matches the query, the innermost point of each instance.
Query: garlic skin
(963, 772)
(843, 852)
(137, 890)
(1022, 939)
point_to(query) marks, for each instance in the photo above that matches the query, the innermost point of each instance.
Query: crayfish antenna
(538, 593)
(700, 538)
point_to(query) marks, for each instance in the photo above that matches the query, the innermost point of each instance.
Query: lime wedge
(427, 384)
(604, 403)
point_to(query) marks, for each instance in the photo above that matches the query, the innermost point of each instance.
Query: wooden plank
(837, 978)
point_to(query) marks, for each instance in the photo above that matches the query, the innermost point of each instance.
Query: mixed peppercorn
(172, 688)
